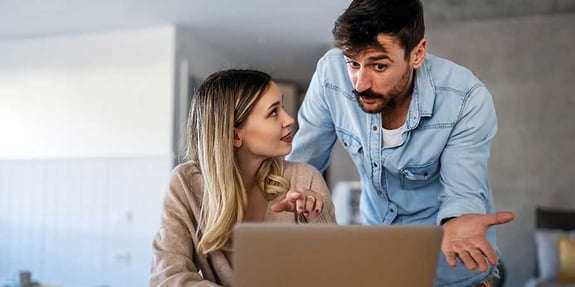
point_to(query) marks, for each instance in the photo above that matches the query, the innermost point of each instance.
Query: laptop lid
(334, 255)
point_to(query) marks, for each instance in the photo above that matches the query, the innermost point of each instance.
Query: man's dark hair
(357, 28)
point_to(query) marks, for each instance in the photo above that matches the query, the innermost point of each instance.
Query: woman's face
(267, 131)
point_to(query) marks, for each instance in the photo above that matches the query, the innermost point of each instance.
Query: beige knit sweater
(175, 260)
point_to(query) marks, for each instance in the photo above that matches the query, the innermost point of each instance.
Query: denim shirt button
(375, 164)
(375, 128)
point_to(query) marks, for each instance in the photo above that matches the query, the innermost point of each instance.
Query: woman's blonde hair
(221, 103)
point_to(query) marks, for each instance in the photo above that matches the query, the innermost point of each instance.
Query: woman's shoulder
(186, 169)
(186, 174)
(299, 168)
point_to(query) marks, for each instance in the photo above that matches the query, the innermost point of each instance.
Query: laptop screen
(334, 255)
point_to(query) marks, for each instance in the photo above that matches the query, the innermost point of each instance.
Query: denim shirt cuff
(455, 208)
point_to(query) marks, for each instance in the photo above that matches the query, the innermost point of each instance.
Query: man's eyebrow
(379, 57)
(372, 58)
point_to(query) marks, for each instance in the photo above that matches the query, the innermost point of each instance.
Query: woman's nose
(288, 121)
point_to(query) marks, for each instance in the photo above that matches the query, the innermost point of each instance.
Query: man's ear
(237, 139)
(418, 54)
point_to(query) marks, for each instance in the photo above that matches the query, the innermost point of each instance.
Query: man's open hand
(464, 237)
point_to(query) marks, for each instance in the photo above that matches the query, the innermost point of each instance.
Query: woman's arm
(174, 246)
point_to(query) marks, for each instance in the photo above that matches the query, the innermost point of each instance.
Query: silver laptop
(334, 255)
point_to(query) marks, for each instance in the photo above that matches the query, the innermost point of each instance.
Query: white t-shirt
(391, 138)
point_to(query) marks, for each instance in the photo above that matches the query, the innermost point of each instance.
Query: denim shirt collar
(423, 97)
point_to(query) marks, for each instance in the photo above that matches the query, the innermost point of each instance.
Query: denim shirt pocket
(416, 176)
(352, 145)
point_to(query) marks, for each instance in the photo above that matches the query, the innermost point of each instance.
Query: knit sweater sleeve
(303, 174)
(319, 185)
(175, 244)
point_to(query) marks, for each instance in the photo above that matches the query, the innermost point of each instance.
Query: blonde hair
(221, 103)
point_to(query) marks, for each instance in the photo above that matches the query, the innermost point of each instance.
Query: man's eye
(353, 64)
(380, 67)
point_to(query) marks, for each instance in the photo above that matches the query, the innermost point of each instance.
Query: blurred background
(93, 96)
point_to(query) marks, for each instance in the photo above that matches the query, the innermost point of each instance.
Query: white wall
(202, 57)
(88, 95)
(80, 222)
(195, 60)
(86, 125)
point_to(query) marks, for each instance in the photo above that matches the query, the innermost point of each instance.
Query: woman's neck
(248, 171)
(257, 203)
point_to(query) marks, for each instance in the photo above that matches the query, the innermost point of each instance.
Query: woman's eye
(274, 113)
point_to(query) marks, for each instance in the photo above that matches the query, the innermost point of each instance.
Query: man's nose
(362, 80)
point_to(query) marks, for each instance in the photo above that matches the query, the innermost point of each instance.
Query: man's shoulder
(334, 53)
(333, 57)
(331, 72)
(446, 74)
(444, 67)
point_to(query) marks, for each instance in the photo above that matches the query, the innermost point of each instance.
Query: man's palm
(464, 237)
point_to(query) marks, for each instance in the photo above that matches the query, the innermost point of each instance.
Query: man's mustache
(367, 94)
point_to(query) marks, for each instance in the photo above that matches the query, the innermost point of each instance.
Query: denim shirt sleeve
(465, 157)
(316, 136)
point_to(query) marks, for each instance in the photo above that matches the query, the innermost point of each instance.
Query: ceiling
(283, 37)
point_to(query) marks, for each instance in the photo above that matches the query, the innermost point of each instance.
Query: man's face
(381, 75)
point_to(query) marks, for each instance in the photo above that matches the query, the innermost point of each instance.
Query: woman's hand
(305, 201)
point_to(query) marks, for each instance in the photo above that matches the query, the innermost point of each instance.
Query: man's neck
(395, 117)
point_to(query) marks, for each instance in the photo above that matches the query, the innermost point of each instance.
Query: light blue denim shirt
(440, 168)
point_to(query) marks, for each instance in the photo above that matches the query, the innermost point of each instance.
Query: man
(417, 127)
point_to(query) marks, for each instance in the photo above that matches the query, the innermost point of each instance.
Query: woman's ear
(418, 54)
(237, 139)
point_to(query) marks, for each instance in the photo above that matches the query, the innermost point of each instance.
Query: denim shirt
(438, 170)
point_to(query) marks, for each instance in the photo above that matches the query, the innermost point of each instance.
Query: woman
(238, 133)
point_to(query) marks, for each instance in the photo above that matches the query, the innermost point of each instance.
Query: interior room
(93, 102)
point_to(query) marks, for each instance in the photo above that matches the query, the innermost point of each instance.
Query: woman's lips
(287, 139)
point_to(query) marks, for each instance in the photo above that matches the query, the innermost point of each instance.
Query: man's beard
(389, 101)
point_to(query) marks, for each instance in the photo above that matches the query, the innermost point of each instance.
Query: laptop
(334, 255)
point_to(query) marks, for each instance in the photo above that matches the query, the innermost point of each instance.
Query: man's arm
(316, 136)
(465, 157)
(466, 186)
